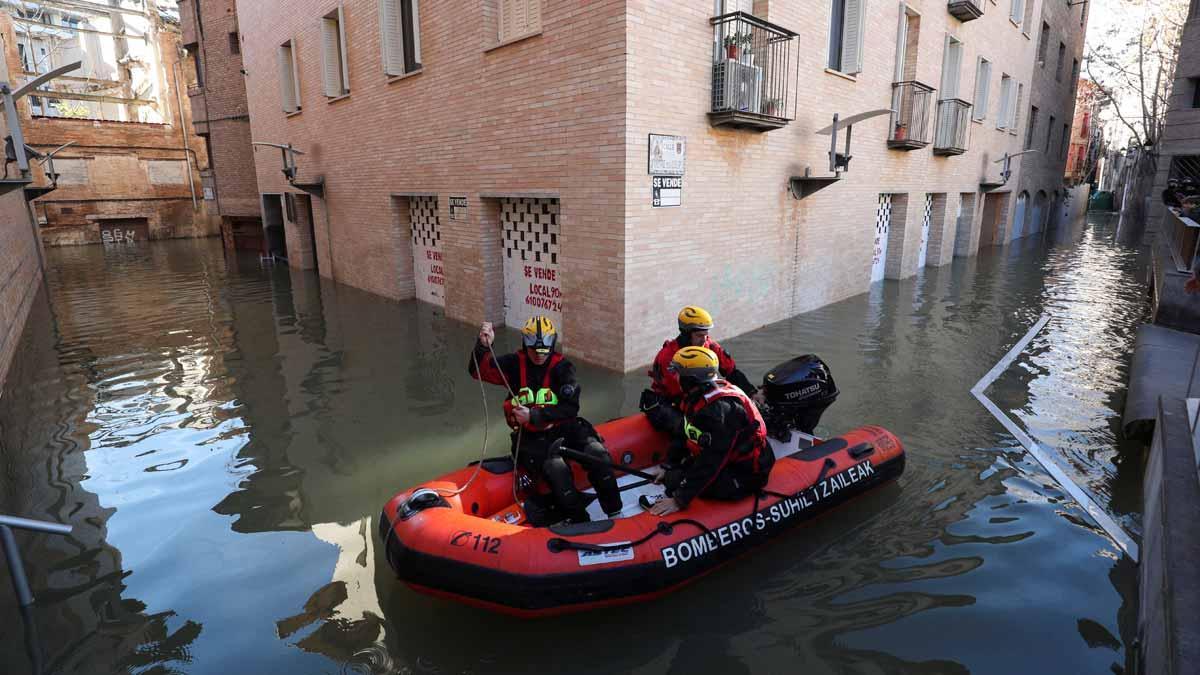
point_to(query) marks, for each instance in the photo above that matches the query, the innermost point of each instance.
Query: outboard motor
(797, 392)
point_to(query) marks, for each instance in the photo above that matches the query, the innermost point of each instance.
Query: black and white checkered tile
(530, 229)
(883, 216)
(426, 228)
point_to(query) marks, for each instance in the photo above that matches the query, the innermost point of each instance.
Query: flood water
(222, 438)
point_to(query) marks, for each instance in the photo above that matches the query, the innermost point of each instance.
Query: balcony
(965, 10)
(751, 70)
(953, 123)
(910, 115)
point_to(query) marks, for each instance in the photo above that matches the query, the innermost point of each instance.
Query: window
(333, 51)
(193, 55)
(1018, 11)
(983, 73)
(1074, 70)
(951, 67)
(1016, 110)
(1006, 101)
(235, 45)
(400, 28)
(1043, 42)
(907, 38)
(1027, 18)
(1049, 133)
(1062, 55)
(519, 18)
(1033, 116)
(846, 36)
(1066, 134)
(289, 82)
(1195, 84)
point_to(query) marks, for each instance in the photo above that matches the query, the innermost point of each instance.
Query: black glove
(650, 400)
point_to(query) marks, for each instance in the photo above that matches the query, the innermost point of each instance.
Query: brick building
(220, 115)
(497, 157)
(131, 170)
(1087, 135)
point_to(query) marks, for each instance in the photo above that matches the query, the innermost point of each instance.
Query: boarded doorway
(124, 230)
(992, 227)
(530, 246)
(429, 275)
(883, 228)
(926, 220)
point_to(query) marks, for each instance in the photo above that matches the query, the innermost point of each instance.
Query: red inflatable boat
(472, 547)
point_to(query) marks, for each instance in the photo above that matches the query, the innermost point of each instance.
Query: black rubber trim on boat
(821, 450)
(496, 465)
(861, 450)
(577, 529)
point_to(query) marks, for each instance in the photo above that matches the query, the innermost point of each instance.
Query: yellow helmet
(695, 365)
(539, 334)
(694, 318)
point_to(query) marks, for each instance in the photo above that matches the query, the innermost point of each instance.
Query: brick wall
(219, 105)
(20, 274)
(566, 115)
(119, 157)
(540, 117)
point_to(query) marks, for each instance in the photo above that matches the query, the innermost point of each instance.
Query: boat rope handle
(558, 544)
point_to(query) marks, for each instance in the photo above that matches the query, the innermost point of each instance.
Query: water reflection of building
(87, 624)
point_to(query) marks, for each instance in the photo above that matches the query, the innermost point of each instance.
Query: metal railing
(752, 67)
(965, 10)
(953, 124)
(16, 570)
(1183, 238)
(911, 102)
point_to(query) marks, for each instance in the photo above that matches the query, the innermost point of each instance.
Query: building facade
(1087, 136)
(221, 117)
(608, 162)
(131, 169)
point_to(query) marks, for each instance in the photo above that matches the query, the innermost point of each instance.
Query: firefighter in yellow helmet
(661, 401)
(728, 456)
(543, 407)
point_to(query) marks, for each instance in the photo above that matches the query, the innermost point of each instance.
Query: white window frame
(289, 77)
(1016, 109)
(983, 77)
(1017, 13)
(335, 59)
(951, 81)
(393, 39)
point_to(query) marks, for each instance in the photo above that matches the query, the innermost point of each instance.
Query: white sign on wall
(532, 276)
(667, 155)
(458, 208)
(666, 191)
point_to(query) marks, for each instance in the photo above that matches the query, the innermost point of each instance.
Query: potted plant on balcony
(732, 44)
(773, 107)
(901, 132)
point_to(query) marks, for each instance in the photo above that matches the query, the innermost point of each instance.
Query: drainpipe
(183, 135)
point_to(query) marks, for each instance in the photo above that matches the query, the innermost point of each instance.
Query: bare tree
(1133, 64)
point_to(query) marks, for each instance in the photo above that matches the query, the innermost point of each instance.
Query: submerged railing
(16, 570)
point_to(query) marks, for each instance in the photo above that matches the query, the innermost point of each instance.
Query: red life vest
(748, 444)
(666, 383)
(544, 397)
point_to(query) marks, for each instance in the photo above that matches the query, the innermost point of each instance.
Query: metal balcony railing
(911, 103)
(965, 10)
(1183, 238)
(752, 67)
(953, 124)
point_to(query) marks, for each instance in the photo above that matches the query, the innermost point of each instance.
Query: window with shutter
(519, 18)
(336, 71)
(400, 36)
(983, 75)
(289, 84)
(951, 66)
(1018, 11)
(1043, 42)
(852, 37)
(1005, 101)
(1016, 110)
